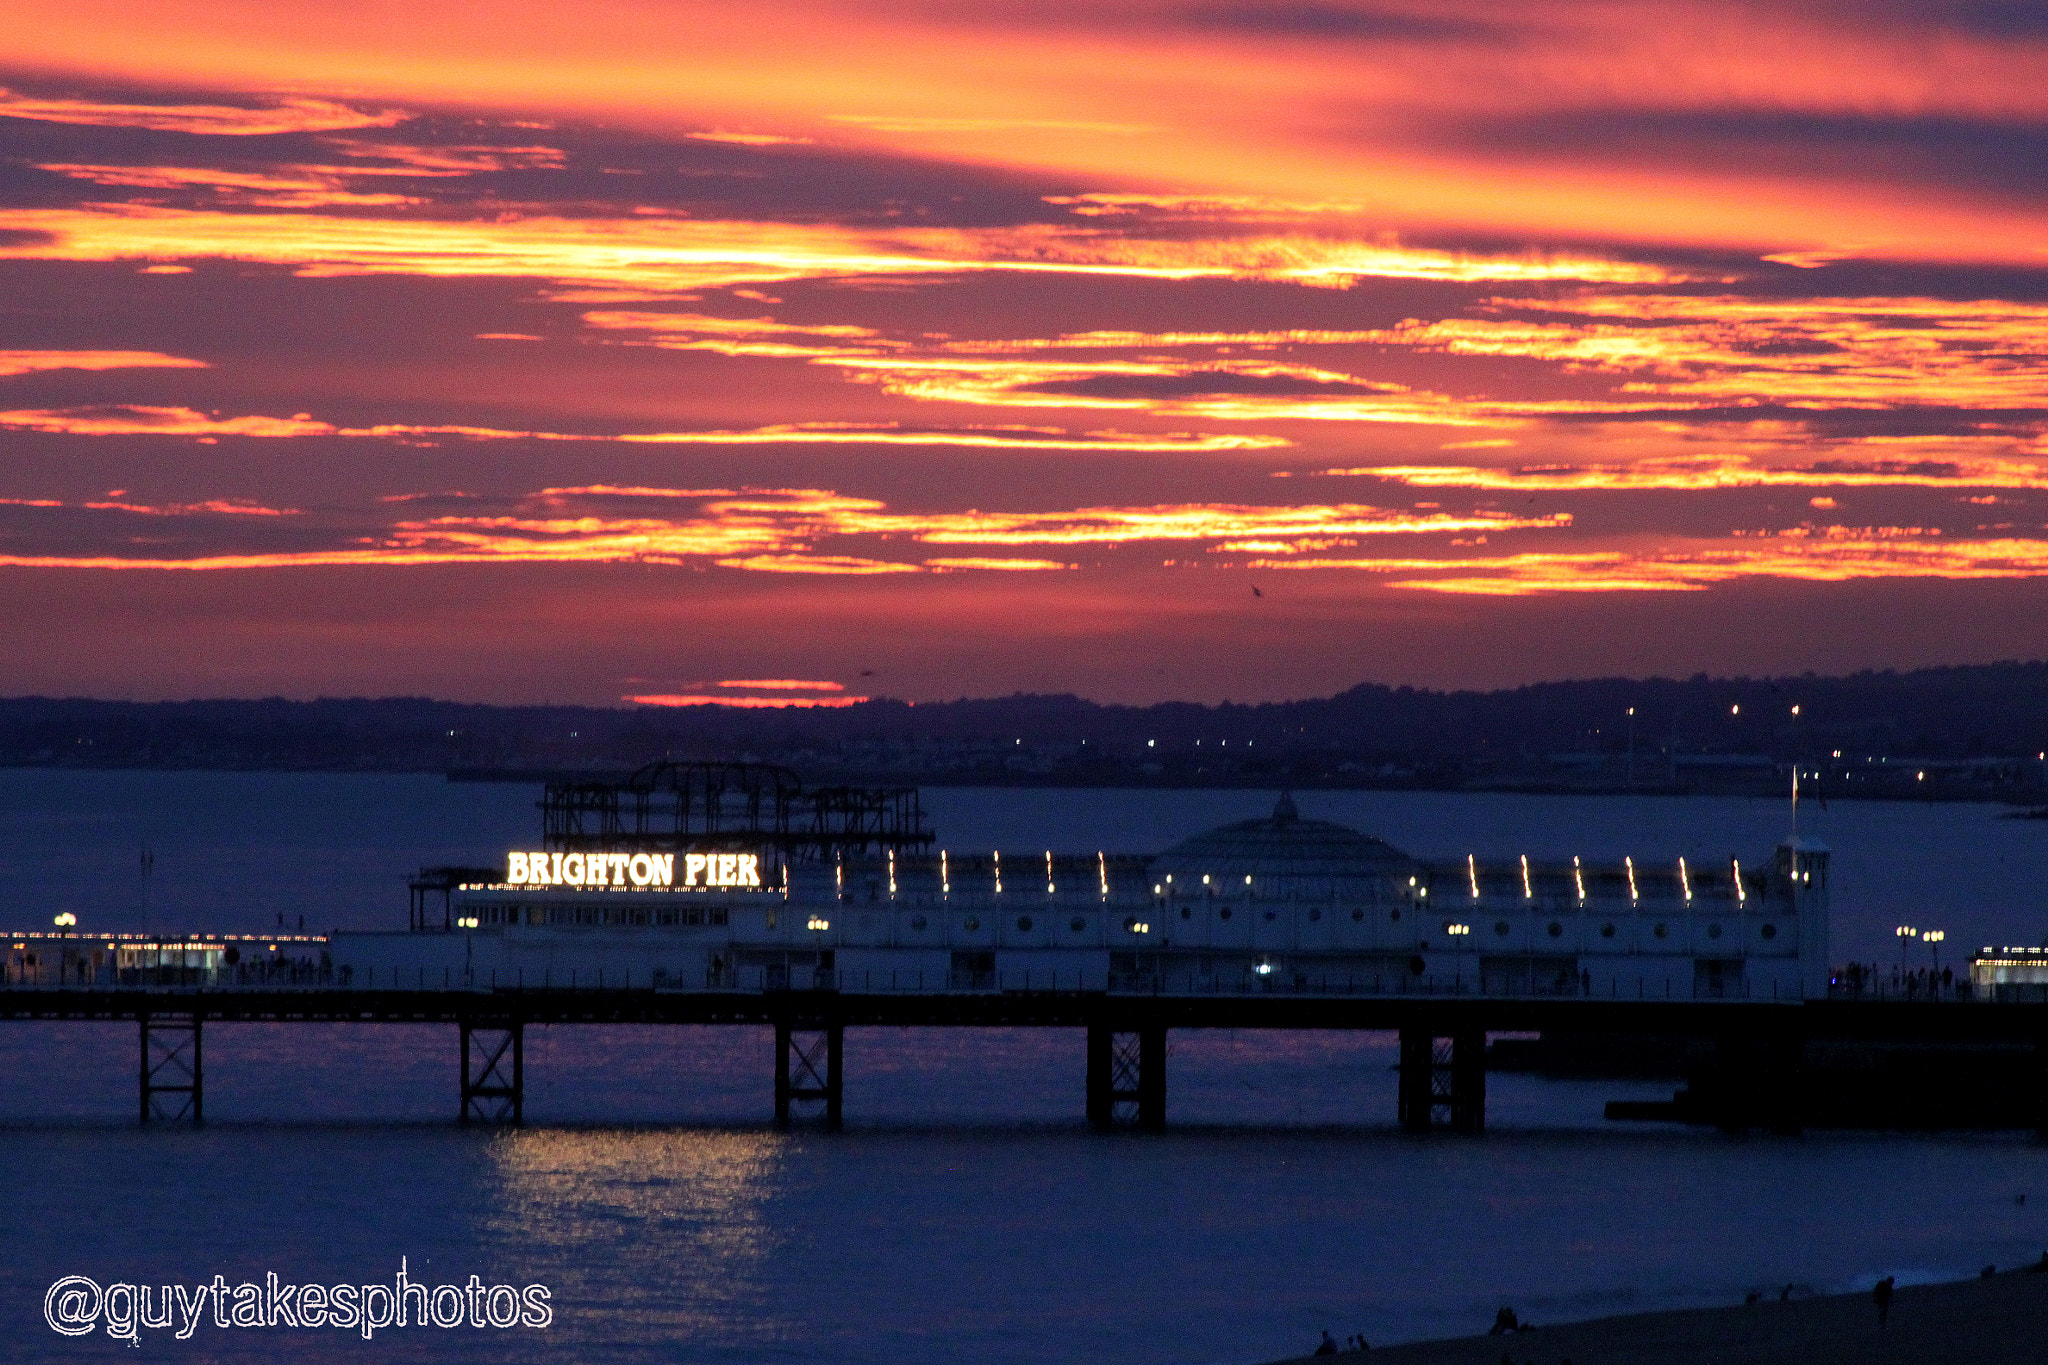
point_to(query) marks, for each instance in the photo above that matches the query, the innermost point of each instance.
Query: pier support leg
(494, 1072)
(1152, 1078)
(809, 1061)
(173, 1078)
(1443, 1078)
(1468, 1081)
(1127, 1076)
(1101, 1085)
(1417, 1073)
(2040, 1085)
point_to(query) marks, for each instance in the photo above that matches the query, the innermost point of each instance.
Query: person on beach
(1504, 1322)
(1882, 1297)
(1328, 1345)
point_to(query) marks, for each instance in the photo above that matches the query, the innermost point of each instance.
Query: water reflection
(665, 1234)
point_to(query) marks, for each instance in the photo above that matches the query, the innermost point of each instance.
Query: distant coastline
(1977, 733)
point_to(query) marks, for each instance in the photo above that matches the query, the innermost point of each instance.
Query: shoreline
(1960, 1322)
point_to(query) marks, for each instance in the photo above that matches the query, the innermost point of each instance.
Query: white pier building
(671, 882)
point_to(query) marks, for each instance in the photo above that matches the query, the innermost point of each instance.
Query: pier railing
(1033, 980)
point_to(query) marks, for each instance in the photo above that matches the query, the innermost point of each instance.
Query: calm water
(967, 1214)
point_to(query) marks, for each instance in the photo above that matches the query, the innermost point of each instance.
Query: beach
(1997, 1321)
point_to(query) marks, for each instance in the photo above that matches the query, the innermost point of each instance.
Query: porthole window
(1661, 930)
(918, 923)
(1769, 931)
(1713, 931)
(1500, 926)
(1272, 915)
(1186, 913)
(1314, 915)
(1556, 929)
(1023, 924)
(1077, 924)
(971, 924)
(1607, 931)
(1394, 915)
(1357, 915)
(1226, 912)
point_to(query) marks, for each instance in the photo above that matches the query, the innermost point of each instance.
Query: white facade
(1276, 905)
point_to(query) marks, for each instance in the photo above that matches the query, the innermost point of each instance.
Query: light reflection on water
(670, 1229)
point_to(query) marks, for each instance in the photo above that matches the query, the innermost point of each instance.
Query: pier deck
(1443, 1037)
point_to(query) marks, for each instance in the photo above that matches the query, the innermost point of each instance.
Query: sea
(966, 1213)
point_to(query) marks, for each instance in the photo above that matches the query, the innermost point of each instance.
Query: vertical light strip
(1049, 887)
(1579, 878)
(1741, 894)
(1472, 871)
(1630, 864)
(1528, 892)
(892, 874)
(945, 875)
(1102, 871)
(999, 871)
(1684, 878)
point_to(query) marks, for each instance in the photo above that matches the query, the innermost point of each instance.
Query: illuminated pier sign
(737, 870)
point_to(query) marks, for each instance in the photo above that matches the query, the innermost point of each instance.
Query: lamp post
(1631, 748)
(1932, 938)
(1904, 931)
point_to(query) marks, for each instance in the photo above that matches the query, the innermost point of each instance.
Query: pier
(1758, 1045)
(730, 894)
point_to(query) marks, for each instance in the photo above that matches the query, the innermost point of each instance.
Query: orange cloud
(215, 120)
(1693, 473)
(226, 507)
(747, 139)
(130, 419)
(1189, 522)
(140, 420)
(785, 684)
(997, 564)
(1849, 352)
(799, 530)
(807, 563)
(816, 531)
(684, 699)
(1839, 554)
(673, 255)
(31, 362)
(1305, 106)
(304, 187)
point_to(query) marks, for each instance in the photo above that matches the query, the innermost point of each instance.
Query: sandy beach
(1998, 1321)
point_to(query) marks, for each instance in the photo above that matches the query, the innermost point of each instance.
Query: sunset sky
(522, 350)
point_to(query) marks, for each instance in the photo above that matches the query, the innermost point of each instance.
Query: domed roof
(1285, 845)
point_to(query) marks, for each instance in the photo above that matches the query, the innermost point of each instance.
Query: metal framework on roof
(671, 806)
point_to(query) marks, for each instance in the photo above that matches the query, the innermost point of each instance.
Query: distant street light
(1932, 938)
(66, 920)
(1905, 931)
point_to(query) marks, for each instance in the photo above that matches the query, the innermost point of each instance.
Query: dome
(1284, 854)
